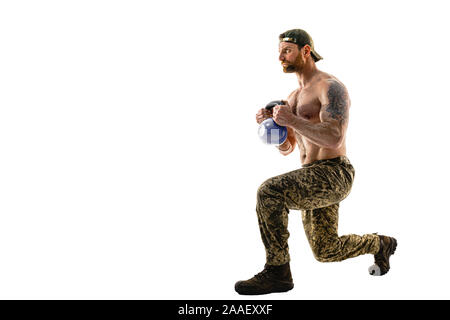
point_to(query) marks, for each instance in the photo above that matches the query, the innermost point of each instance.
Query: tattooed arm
(330, 131)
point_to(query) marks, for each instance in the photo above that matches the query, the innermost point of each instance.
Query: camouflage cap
(301, 38)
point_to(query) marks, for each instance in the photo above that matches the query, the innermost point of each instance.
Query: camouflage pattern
(316, 189)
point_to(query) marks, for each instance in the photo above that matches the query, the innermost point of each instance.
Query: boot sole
(254, 292)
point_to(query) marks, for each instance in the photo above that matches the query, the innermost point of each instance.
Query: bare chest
(306, 105)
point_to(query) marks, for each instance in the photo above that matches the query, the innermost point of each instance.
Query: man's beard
(290, 68)
(296, 66)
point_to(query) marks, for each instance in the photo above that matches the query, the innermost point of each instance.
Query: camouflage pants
(316, 189)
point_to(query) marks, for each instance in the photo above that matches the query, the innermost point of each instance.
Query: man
(316, 115)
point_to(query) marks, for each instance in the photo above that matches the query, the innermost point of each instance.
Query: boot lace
(265, 274)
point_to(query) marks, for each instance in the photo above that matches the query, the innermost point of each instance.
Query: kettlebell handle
(274, 103)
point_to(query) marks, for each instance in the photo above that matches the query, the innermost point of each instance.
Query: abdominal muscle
(310, 152)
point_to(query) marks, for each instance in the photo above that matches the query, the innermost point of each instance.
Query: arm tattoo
(337, 102)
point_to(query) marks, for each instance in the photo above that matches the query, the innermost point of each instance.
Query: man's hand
(283, 115)
(263, 114)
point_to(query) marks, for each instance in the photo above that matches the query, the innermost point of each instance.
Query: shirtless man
(316, 115)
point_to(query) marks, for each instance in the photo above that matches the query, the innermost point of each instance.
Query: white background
(129, 159)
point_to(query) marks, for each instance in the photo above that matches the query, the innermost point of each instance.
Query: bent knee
(325, 252)
(321, 258)
(270, 187)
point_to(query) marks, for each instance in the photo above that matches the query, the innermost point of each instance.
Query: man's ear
(306, 50)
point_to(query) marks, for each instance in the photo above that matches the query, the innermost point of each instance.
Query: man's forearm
(285, 148)
(321, 134)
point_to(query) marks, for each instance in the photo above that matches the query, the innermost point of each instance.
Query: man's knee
(325, 251)
(320, 257)
(270, 188)
(270, 200)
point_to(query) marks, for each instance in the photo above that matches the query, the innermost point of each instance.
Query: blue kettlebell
(269, 131)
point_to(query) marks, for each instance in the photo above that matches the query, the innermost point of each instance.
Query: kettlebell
(269, 131)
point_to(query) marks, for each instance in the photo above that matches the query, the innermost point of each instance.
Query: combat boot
(271, 279)
(387, 248)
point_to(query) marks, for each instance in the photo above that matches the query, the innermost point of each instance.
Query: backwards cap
(301, 38)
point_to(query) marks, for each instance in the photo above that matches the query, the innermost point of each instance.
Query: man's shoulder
(329, 89)
(326, 80)
(330, 84)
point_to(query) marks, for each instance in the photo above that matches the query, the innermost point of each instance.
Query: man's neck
(307, 74)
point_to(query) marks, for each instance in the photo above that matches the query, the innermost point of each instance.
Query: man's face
(290, 57)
